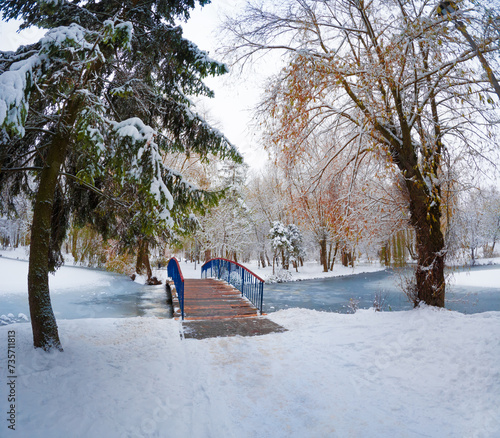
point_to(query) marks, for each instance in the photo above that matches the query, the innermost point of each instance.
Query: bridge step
(213, 328)
(214, 299)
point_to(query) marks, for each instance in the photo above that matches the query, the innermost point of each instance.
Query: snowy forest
(381, 134)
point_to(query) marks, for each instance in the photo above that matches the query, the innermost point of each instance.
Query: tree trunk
(208, 255)
(284, 259)
(425, 211)
(334, 255)
(430, 269)
(345, 255)
(425, 216)
(142, 262)
(74, 243)
(43, 322)
(323, 255)
(262, 259)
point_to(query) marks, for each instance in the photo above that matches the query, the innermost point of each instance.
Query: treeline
(262, 218)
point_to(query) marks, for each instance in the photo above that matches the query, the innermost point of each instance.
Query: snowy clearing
(420, 373)
(14, 275)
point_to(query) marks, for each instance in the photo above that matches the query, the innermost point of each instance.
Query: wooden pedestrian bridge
(226, 301)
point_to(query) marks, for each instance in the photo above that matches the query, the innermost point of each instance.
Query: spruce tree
(86, 114)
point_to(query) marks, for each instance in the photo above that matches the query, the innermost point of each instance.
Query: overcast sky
(236, 93)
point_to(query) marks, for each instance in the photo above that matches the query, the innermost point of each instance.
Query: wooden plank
(214, 299)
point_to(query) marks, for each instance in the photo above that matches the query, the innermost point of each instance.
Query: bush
(281, 276)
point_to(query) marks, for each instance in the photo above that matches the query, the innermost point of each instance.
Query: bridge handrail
(175, 273)
(249, 284)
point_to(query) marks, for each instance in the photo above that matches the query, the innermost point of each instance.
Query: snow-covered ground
(14, 275)
(420, 373)
(417, 373)
(489, 278)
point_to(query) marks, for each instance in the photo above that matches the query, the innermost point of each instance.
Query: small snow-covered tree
(297, 248)
(280, 243)
(89, 111)
(287, 242)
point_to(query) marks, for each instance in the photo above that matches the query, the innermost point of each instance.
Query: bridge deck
(214, 299)
(213, 308)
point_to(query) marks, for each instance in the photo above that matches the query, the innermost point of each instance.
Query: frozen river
(80, 293)
(86, 293)
(338, 294)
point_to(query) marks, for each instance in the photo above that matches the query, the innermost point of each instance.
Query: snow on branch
(147, 165)
(19, 80)
(15, 85)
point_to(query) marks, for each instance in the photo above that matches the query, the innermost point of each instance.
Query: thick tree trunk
(425, 216)
(43, 322)
(425, 210)
(430, 270)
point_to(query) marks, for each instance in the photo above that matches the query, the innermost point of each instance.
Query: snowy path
(420, 373)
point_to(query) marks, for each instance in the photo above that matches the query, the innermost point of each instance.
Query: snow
(489, 278)
(62, 36)
(13, 99)
(417, 373)
(14, 275)
(147, 156)
(133, 128)
(407, 374)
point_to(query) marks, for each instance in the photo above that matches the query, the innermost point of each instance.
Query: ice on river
(79, 293)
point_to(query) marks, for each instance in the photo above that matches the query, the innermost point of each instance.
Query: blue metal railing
(250, 285)
(175, 273)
